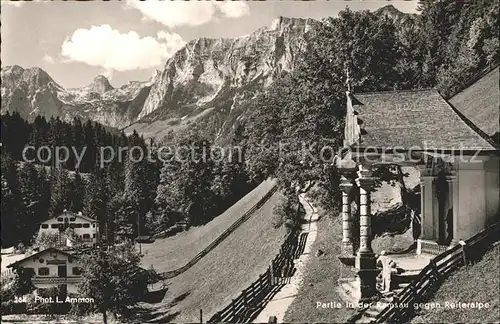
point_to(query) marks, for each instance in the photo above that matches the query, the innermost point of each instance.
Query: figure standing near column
(388, 267)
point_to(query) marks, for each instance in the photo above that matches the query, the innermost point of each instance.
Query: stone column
(347, 168)
(347, 246)
(365, 183)
(365, 258)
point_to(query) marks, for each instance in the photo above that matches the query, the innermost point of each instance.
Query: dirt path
(278, 305)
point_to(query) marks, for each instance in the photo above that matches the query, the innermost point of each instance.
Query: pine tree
(15, 135)
(45, 193)
(7, 214)
(141, 180)
(77, 193)
(186, 181)
(96, 198)
(60, 190)
(90, 143)
(11, 201)
(29, 187)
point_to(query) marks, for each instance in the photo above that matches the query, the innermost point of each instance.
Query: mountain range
(204, 83)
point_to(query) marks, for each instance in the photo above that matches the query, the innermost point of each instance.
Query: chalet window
(86, 236)
(93, 225)
(93, 235)
(76, 271)
(78, 225)
(86, 225)
(45, 225)
(72, 225)
(59, 219)
(43, 271)
(72, 219)
(54, 226)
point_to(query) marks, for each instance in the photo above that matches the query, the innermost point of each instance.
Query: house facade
(52, 268)
(458, 167)
(85, 229)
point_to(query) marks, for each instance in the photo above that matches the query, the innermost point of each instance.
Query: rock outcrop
(208, 80)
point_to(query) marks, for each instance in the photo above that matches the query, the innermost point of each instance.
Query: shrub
(287, 212)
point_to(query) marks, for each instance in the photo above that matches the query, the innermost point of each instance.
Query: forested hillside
(130, 190)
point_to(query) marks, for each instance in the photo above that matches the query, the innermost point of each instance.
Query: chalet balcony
(56, 280)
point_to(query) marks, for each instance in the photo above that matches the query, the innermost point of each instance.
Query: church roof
(480, 103)
(410, 119)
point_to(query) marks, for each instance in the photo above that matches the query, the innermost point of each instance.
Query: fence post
(435, 271)
(245, 299)
(262, 287)
(233, 311)
(271, 273)
(397, 310)
(201, 315)
(464, 251)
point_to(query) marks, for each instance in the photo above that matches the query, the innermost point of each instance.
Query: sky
(127, 40)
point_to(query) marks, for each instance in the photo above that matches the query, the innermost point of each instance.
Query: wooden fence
(251, 300)
(430, 277)
(222, 237)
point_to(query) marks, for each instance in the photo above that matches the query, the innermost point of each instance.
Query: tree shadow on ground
(158, 314)
(178, 299)
(156, 296)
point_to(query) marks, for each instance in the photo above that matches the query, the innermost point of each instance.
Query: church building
(451, 143)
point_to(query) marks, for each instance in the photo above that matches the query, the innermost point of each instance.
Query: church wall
(492, 190)
(471, 200)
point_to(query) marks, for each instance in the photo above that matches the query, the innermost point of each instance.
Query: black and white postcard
(250, 161)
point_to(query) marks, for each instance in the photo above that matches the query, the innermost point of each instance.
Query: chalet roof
(410, 118)
(480, 102)
(69, 213)
(48, 250)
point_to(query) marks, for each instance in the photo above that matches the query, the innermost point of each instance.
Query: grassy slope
(320, 279)
(476, 283)
(173, 252)
(226, 271)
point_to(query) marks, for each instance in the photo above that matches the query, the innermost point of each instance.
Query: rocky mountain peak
(100, 84)
(33, 77)
(390, 11)
(32, 92)
(12, 69)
